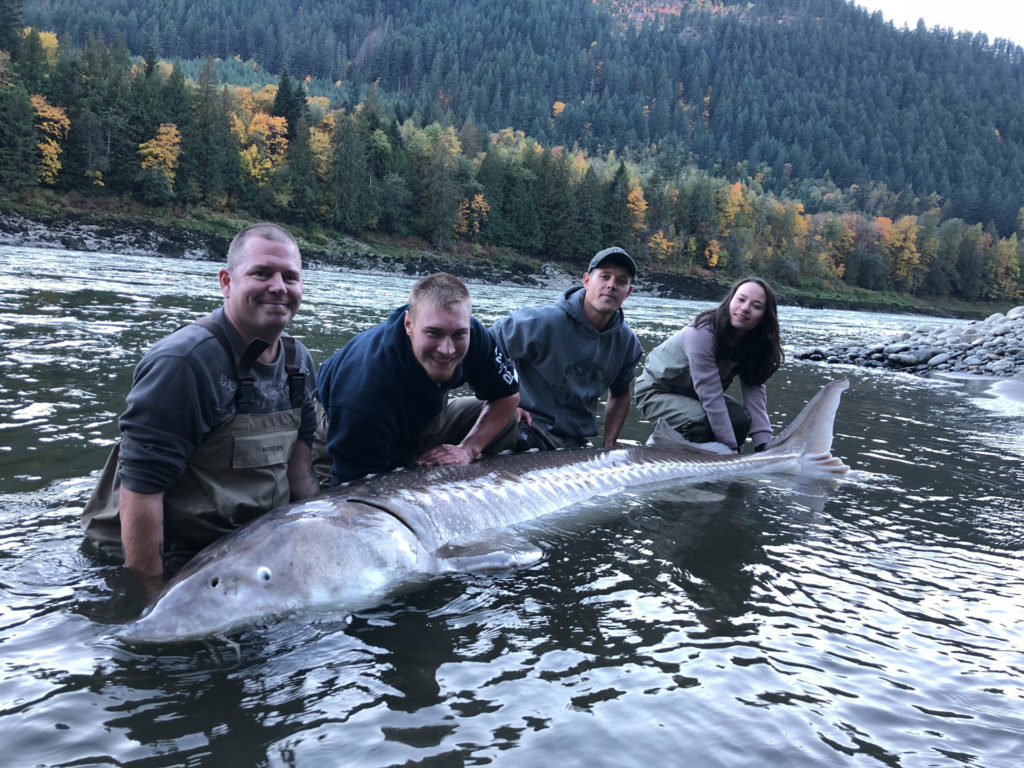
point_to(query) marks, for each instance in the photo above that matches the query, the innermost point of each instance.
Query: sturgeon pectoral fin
(502, 550)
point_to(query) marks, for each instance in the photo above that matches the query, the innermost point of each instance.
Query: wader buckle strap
(246, 390)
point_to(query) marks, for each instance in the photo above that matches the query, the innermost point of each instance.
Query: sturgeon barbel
(355, 545)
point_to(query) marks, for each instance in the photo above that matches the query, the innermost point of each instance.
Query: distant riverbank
(209, 239)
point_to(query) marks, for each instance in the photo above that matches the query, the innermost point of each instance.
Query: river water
(766, 621)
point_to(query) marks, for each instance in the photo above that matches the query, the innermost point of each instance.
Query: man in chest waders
(219, 422)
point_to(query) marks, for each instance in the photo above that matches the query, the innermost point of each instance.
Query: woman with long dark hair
(685, 378)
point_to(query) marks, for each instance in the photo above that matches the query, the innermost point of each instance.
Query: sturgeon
(355, 545)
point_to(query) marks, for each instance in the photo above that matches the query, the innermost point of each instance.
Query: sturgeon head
(319, 553)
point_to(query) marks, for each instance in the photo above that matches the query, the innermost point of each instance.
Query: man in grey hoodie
(570, 353)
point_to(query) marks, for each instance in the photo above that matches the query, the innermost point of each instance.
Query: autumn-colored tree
(162, 152)
(321, 137)
(904, 258)
(47, 42)
(637, 207)
(711, 254)
(53, 124)
(471, 216)
(264, 144)
(660, 247)
(1006, 272)
(730, 203)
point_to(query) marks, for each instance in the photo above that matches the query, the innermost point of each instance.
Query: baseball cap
(615, 255)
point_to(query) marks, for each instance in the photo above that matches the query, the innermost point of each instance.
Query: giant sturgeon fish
(355, 545)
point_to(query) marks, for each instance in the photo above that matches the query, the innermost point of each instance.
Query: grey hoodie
(565, 364)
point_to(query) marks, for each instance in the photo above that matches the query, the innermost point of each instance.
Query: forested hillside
(785, 90)
(790, 144)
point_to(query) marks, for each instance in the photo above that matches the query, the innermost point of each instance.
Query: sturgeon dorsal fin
(666, 438)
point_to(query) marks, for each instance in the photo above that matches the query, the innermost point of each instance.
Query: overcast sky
(996, 18)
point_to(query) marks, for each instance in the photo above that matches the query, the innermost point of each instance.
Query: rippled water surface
(767, 621)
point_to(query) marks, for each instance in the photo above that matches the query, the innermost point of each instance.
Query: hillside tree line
(97, 121)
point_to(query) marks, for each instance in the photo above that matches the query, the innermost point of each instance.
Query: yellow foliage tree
(557, 108)
(319, 107)
(162, 152)
(321, 145)
(264, 142)
(255, 164)
(54, 124)
(730, 203)
(471, 216)
(904, 257)
(637, 207)
(660, 246)
(48, 42)
(883, 230)
(1006, 272)
(263, 99)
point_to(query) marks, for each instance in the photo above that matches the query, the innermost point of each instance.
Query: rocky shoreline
(147, 238)
(141, 237)
(990, 347)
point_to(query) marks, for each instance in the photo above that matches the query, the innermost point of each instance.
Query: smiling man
(570, 353)
(220, 419)
(386, 391)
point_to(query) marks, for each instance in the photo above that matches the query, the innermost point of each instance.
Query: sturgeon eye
(263, 573)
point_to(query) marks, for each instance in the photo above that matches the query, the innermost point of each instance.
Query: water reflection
(762, 621)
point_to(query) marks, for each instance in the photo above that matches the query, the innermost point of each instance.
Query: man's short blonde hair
(440, 290)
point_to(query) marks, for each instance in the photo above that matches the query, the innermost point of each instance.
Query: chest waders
(665, 390)
(236, 474)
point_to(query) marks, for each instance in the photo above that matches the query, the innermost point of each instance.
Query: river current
(764, 621)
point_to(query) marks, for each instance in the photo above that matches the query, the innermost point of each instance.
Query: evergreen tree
(10, 26)
(19, 156)
(591, 207)
(353, 208)
(300, 176)
(556, 206)
(209, 167)
(970, 274)
(32, 67)
(617, 226)
(175, 100)
(290, 102)
(443, 193)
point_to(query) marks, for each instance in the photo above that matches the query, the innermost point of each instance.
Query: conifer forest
(805, 140)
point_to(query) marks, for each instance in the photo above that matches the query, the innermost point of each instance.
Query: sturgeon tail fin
(810, 433)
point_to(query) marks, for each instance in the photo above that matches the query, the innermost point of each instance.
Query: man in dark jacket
(386, 391)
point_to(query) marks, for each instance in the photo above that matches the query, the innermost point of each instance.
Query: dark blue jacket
(379, 399)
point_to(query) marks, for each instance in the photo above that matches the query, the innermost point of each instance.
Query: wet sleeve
(699, 345)
(172, 407)
(755, 400)
(490, 373)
